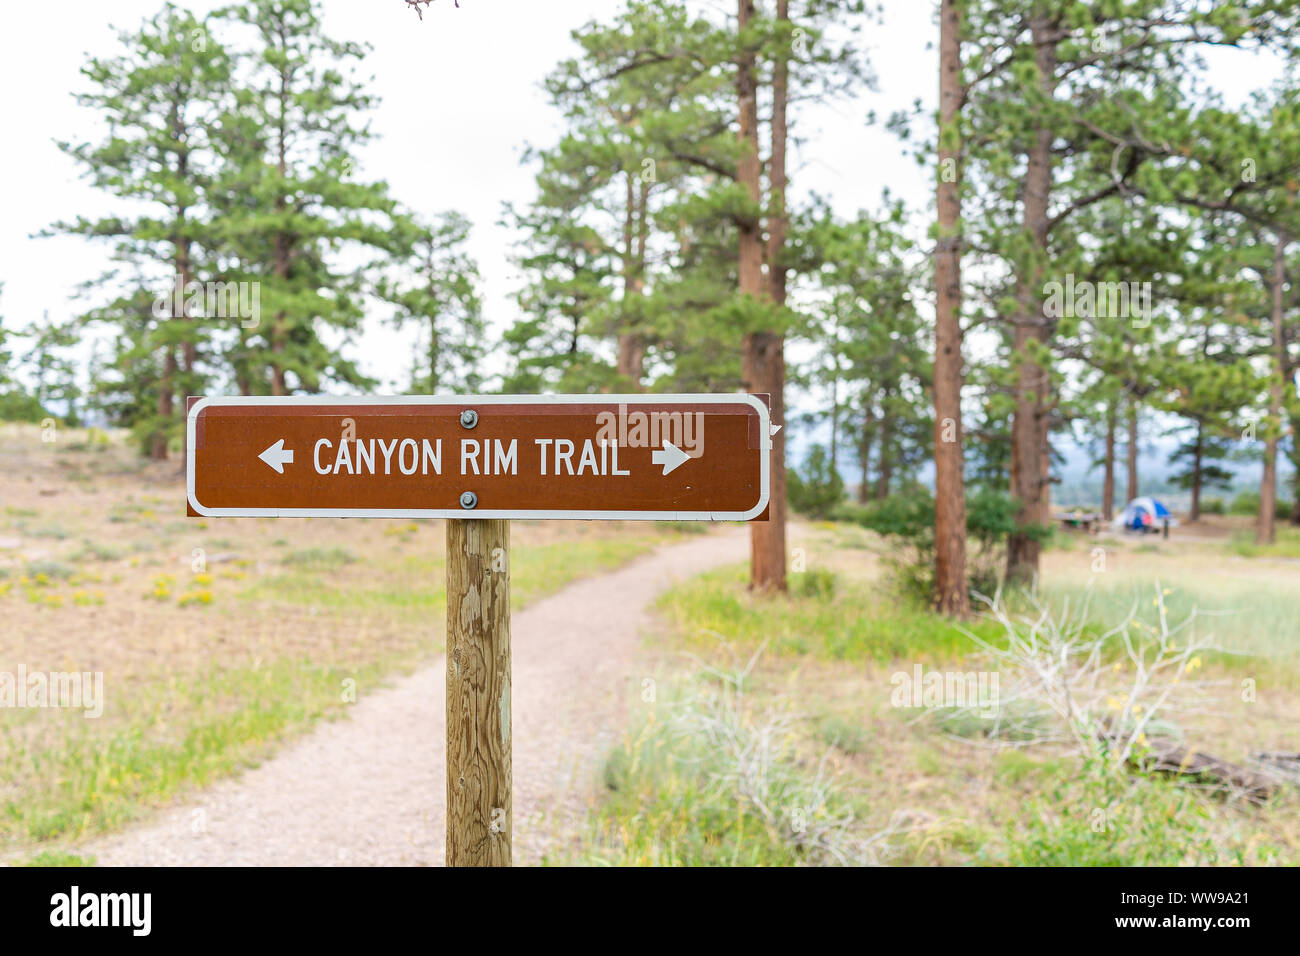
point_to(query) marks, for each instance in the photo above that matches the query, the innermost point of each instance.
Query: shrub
(909, 520)
(817, 583)
(93, 551)
(851, 512)
(52, 570)
(1102, 818)
(319, 558)
(843, 733)
(819, 490)
(1246, 503)
(714, 780)
(18, 407)
(1213, 506)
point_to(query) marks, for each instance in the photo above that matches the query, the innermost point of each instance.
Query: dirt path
(369, 789)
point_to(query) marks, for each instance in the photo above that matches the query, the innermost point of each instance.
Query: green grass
(58, 858)
(415, 584)
(327, 593)
(54, 570)
(843, 733)
(834, 622)
(319, 558)
(179, 734)
(538, 571)
(1016, 766)
(1242, 615)
(1287, 544)
(172, 735)
(675, 795)
(1104, 818)
(94, 551)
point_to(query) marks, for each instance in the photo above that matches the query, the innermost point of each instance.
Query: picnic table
(1089, 522)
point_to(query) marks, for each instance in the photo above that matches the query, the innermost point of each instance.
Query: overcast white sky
(460, 96)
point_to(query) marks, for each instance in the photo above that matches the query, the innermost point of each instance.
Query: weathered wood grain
(478, 693)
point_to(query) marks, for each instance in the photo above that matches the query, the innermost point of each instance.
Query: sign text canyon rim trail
(703, 457)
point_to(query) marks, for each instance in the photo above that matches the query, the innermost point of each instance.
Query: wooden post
(478, 693)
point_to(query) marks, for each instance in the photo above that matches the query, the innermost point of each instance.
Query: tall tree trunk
(435, 346)
(835, 422)
(242, 380)
(181, 262)
(279, 330)
(763, 370)
(1295, 457)
(631, 347)
(1132, 490)
(188, 350)
(282, 245)
(1047, 473)
(778, 223)
(763, 359)
(886, 469)
(951, 591)
(166, 406)
(1108, 480)
(1198, 456)
(1028, 425)
(1265, 525)
(631, 358)
(435, 341)
(864, 460)
(750, 265)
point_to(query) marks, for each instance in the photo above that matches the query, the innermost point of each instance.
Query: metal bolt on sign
(468, 500)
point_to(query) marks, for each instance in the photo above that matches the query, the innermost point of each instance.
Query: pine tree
(1199, 456)
(1073, 105)
(952, 596)
(1241, 172)
(6, 353)
(15, 403)
(569, 269)
(437, 289)
(161, 96)
(289, 199)
(870, 342)
(780, 56)
(125, 386)
(52, 370)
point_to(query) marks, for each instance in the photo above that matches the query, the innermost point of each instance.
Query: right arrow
(277, 456)
(670, 456)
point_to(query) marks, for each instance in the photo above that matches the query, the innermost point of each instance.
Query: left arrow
(277, 456)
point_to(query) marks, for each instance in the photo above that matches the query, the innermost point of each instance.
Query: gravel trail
(369, 788)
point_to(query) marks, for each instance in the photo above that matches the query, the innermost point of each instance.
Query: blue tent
(1145, 514)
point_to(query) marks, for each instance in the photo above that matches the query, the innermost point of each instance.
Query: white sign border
(469, 401)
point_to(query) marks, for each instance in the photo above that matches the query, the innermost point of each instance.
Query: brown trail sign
(480, 459)
(675, 457)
